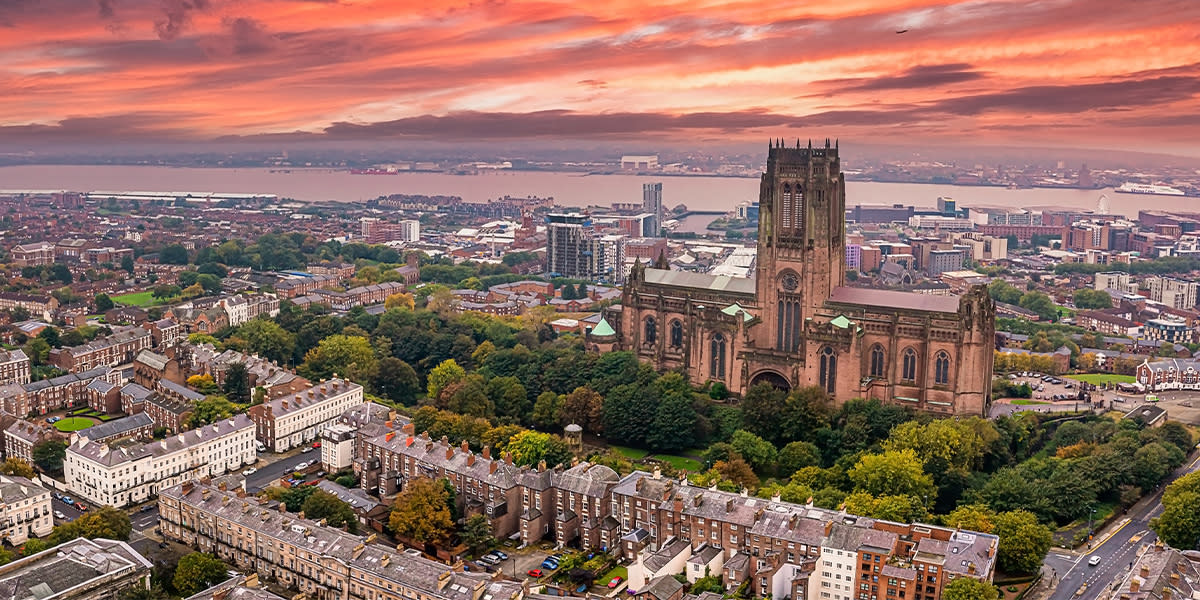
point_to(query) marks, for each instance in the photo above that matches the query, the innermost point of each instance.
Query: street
(1117, 549)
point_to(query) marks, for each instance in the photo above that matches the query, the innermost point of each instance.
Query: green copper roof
(733, 309)
(840, 321)
(603, 329)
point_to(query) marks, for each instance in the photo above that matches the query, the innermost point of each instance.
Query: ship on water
(1146, 188)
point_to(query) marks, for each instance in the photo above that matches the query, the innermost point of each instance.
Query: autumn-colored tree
(421, 512)
(446, 373)
(17, 466)
(400, 300)
(737, 471)
(585, 408)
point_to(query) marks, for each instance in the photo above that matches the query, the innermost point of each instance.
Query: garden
(71, 424)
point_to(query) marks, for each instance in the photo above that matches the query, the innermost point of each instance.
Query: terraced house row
(323, 562)
(666, 525)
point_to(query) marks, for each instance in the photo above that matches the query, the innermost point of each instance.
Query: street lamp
(1091, 515)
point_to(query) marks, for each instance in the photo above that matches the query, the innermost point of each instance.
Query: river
(568, 189)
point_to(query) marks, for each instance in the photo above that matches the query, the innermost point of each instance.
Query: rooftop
(897, 300)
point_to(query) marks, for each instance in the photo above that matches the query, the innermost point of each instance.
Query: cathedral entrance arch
(773, 378)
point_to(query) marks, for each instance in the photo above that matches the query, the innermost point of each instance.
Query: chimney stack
(492, 467)
(1145, 571)
(828, 527)
(487, 453)
(449, 452)
(471, 459)
(465, 447)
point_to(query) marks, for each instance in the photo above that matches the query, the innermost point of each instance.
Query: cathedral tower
(801, 236)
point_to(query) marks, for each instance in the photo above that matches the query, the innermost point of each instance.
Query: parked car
(498, 554)
(58, 515)
(489, 560)
(306, 450)
(67, 500)
(614, 582)
(320, 474)
(249, 472)
(146, 508)
(81, 506)
(535, 573)
(300, 467)
(550, 564)
(316, 444)
(58, 496)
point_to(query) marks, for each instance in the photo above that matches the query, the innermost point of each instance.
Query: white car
(58, 515)
(301, 466)
(249, 472)
(306, 450)
(1094, 560)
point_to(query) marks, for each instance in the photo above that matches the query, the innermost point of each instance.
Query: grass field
(1098, 378)
(681, 462)
(1026, 401)
(630, 453)
(70, 424)
(617, 571)
(138, 299)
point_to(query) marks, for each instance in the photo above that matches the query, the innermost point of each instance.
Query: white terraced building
(24, 509)
(126, 472)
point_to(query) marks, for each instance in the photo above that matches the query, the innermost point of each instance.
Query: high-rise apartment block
(376, 231)
(574, 248)
(1175, 293)
(652, 204)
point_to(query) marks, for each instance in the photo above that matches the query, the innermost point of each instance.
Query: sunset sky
(1098, 73)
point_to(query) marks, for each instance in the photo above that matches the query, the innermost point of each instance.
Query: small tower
(573, 435)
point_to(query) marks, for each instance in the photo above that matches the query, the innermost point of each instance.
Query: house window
(908, 371)
(676, 334)
(717, 367)
(828, 372)
(941, 368)
(651, 332)
(876, 368)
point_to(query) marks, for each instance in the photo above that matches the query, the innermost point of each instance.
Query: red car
(535, 573)
(316, 444)
(80, 505)
(615, 582)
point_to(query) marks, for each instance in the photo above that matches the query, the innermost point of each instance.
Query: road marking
(1064, 556)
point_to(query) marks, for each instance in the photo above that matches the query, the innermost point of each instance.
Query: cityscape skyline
(1071, 73)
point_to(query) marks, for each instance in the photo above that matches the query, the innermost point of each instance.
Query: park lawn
(145, 298)
(1098, 378)
(631, 453)
(681, 462)
(1026, 401)
(70, 424)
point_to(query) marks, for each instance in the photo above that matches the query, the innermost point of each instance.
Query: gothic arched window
(828, 374)
(676, 334)
(941, 368)
(877, 367)
(651, 331)
(908, 371)
(717, 364)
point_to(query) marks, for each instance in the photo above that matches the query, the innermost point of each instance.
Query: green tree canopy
(197, 572)
(446, 373)
(892, 473)
(49, 455)
(1023, 542)
(966, 588)
(532, 447)
(397, 381)
(1088, 298)
(347, 356)
(323, 505)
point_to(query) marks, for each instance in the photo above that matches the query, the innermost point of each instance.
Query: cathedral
(797, 323)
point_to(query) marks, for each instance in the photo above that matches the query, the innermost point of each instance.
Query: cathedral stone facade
(796, 323)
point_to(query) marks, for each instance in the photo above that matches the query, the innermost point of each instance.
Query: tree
(967, 588)
(174, 254)
(796, 456)
(49, 455)
(446, 373)
(1087, 298)
(50, 336)
(103, 302)
(1039, 303)
(1023, 542)
(209, 411)
(104, 522)
(547, 410)
(237, 383)
(738, 472)
(781, 418)
(421, 512)
(400, 300)
(266, 338)
(509, 397)
(892, 473)
(60, 272)
(1179, 523)
(585, 408)
(127, 264)
(532, 447)
(476, 533)
(197, 572)
(323, 505)
(397, 381)
(18, 467)
(758, 452)
(203, 384)
(38, 351)
(972, 517)
(675, 419)
(1002, 291)
(166, 290)
(346, 356)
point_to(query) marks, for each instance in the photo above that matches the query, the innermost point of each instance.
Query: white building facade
(24, 510)
(124, 472)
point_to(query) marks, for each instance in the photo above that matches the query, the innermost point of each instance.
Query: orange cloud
(1080, 71)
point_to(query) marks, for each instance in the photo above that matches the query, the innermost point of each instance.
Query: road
(1117, 550)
